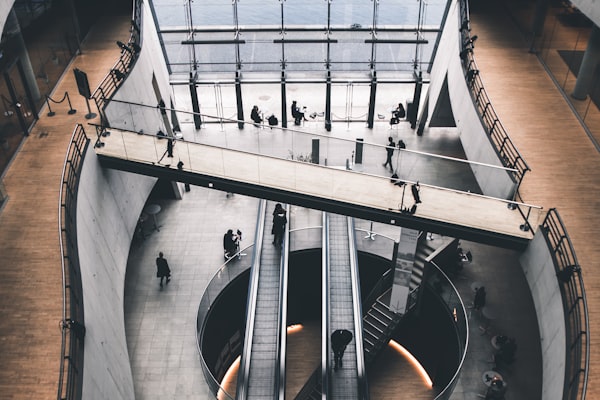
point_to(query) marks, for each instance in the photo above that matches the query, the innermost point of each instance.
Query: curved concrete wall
(591, 8)
(138, 86)
(477, 146)
(5, 7)
(540, 273)
(109, 203)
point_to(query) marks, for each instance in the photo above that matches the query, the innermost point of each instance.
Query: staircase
(379, 322)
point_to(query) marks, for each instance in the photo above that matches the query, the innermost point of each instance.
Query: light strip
(294, 328)
(233, 369)
(413, 361)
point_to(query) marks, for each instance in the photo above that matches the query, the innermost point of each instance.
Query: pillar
(588, 65)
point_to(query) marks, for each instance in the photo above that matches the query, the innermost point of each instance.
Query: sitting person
(397, 114)
(255, 116)
(506, 354)
(497, 389)
(231, 243)
(297, 114)
(272, 120)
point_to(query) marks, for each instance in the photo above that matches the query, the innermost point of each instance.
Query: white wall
(108, 206)
(591, 8)
(493, 182)
(137, 87)
(5, 7)
(541, 277)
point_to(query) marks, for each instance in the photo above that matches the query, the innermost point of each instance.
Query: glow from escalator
(294, 328)
(228, 378)
(415, 363)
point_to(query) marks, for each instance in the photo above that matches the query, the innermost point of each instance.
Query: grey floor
(161, 323)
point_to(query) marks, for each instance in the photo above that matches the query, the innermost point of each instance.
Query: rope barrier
(65, 96)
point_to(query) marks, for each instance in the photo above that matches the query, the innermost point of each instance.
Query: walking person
(479, 301)
(162, 269)
(390, 152)
(230, 243)
(339, 340)
(279, 221)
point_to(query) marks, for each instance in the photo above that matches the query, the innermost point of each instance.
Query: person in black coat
(297, 114)
(255, 116)
(339, 340)
(389, 153)
(479, 301)
(230, 243)
(162, 269)
(279, 221)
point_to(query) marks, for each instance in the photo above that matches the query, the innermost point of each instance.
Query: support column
(328, 103)
(413, 111)
(240, 104)
(588, 65)
(372, 96)
(195, 105)
(283, 101)
(403, 260)
(539, 17)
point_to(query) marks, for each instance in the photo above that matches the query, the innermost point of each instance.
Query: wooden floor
(565, 166)
(565, 174)
(31, 288)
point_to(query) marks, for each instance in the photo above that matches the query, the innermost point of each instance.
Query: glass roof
(310, 36)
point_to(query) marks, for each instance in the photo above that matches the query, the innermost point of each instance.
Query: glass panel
(218, 100)
(212, 12)
(259, 12)
(259, 53)
(305, 56)
(350, 53)
(351, 13)
(395, 13)
(304, 13)
(350, 102)
(178, 54)
(169, 13)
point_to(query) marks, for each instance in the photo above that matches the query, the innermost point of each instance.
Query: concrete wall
(138, 88)
(540, 274)
(5, 7)
(493, 182)
(108, 206)
(591, 8)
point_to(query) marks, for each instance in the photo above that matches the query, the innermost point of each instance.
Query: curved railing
(452, 299)
(71, 325)
(505, 149)
(233, 268)
(575, 306)
(122, 67)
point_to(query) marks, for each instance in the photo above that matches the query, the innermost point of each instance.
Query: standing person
(339, 340)
(170, 144)
(390, 152)
(279, 221)
(162, 269)
(255, 116)
(230, 243)
(479, 301)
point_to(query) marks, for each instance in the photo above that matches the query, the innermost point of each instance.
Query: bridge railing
(70, 379)
(325, 149)
(251, 166)
(570, 277)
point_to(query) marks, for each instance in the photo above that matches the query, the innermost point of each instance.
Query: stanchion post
(71, 109)
(50, 112)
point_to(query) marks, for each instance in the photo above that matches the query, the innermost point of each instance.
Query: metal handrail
(120, 70)
(575, 307)
(283, 289)
(71, 361)
(244, 370)
(503, 145)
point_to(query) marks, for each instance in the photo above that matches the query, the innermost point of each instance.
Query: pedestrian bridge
(363, 195)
